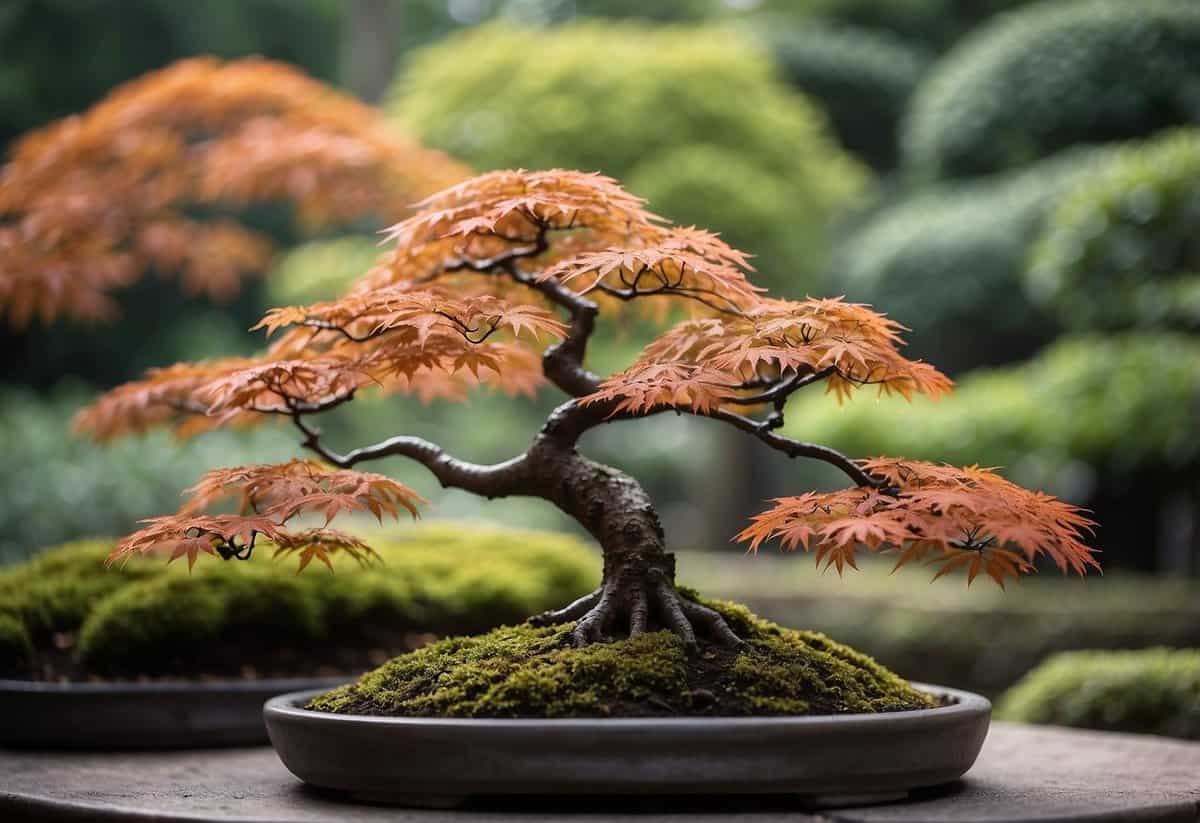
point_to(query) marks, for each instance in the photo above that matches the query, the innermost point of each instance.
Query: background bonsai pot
(419, 760)
(131, 715)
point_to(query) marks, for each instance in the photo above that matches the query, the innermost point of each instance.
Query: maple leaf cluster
(705, 364)
(268, 497)
(970, 518)
(90, 203)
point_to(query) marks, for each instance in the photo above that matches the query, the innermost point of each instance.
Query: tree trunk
(637, 592)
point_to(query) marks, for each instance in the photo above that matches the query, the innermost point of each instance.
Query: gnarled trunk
(637, 591)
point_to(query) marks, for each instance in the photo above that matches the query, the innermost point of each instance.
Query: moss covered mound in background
(1152, 691)
(150, 618)
(523, 671)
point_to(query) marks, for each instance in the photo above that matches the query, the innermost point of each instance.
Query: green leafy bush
(1151, 691)
(1049, 76)
(862, 78)
(947, 262)
(438, 578)
(642, 102)
(1123, 248)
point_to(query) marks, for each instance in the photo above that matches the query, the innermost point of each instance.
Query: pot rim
(964, 704)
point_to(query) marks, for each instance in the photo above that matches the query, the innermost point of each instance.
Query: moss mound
(1150, 691)
(524, 671)
(65, 610)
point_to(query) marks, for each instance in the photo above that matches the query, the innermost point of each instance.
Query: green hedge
(626, 99)
(1151, 691)
(1123, 248)
(149, 617)
(1052, 75)
(980, 637)
(862, 78)
(947, 262)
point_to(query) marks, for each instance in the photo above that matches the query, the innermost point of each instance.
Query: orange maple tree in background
(89, 203)
(475, 286)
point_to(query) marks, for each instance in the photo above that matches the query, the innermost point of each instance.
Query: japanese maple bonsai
(470, 284)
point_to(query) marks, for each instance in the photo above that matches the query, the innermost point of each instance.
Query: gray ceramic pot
(432, 761)
(140, 715)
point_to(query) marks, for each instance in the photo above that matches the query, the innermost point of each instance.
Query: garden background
(1016, 182)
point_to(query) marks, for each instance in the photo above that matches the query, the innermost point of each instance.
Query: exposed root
(569, 612)
(643, 608)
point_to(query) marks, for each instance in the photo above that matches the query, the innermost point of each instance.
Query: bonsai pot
(420, 760)
(140, 715)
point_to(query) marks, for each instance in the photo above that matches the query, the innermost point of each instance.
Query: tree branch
(496, 480)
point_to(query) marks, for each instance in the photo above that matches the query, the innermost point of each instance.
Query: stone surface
(1024, 773)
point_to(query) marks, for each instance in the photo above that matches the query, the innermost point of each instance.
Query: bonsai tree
(90, 203)
(471, 285)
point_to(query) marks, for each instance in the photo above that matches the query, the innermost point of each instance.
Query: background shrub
(624, 98)
(947, 262)
(1052, 75)
(1123, 247)
(862, 78)
(1151, 691)
(439, 578)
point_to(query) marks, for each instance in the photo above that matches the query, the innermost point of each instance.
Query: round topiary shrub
(1052, 75)
(948, 261)
(79, 619)
(626, 99)
(862, 78)
(1123, 248)
(1151, 691)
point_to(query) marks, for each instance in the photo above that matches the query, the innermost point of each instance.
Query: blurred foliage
(979, 637)
(862, 78)
(1151, 691)
(442, 579)
(319, 269)
(58, 486)
(640, 102)
(932, 25)
(60, 56)
(947, 262)
(1053, 75)
(1114, 406)
(1123, 248)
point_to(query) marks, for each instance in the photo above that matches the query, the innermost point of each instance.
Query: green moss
(147, 617)
(1152, 691)
(518, 671)
(57, 589)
